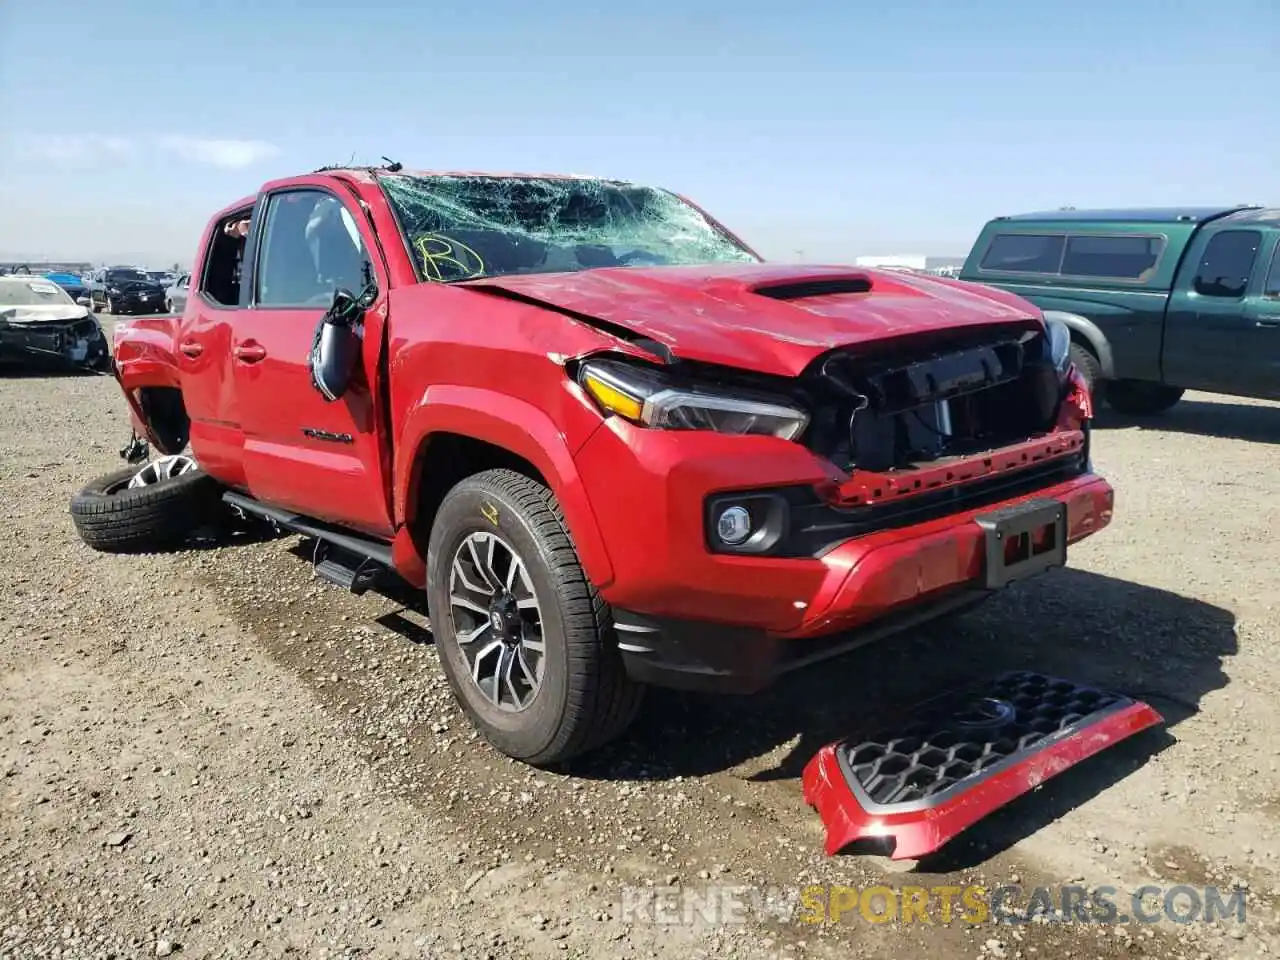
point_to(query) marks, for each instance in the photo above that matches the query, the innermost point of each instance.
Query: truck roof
(1266, 216)
(367, 174)
(1134, 214)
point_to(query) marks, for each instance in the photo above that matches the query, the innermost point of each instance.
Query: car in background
(175, 298)
(42, 326)
(124, 290)
(1158, 301)
(76, 288)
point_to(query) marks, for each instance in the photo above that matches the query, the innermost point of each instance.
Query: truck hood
(771, 318)
(44, 313)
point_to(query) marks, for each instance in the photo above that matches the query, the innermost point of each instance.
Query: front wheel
(1139, 398)
(1088, 365)
(526, 642)
(111, 306)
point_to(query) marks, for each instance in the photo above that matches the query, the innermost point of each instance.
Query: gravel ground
(210, 753)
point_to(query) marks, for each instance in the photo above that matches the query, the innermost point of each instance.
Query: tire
(585, 698)
(1088, 366)
(111, 518)
(1138, 398)
(111, 306)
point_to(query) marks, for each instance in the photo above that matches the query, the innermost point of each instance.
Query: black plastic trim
(811, 526)
(1020, 522)
(712, 657)
(938, 717)
(376, 550)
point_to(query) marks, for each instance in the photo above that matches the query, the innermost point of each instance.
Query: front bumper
(76, 344)
(138, 305)
(692, 618)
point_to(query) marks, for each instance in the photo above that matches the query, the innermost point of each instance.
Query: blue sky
(821, 130)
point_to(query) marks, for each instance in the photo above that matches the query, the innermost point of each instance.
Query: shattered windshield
(31, 293)
(467, 227)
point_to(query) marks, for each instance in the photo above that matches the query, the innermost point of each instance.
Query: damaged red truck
(613, 444)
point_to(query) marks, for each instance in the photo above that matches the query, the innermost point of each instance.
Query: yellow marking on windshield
(439, 252)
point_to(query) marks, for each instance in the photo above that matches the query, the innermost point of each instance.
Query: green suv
(1158, 301)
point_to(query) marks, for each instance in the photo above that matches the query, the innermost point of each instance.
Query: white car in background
(175, 297)
(42, 326)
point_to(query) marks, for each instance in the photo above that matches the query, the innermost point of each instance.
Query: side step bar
(345, 558)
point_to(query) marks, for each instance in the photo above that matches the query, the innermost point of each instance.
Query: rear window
(1116, 258)
(1024, 253)
(1099, 256)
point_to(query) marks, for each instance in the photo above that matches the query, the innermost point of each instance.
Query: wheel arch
(163, 412)
(459, 431)
(1087, 333)
(147, 371)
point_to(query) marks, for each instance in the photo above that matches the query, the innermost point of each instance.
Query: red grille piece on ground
(961, 756)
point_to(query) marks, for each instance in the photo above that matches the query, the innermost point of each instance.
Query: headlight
(1059, 345)
(647, 396)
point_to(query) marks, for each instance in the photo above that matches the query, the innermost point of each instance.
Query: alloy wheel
(496, 619)
(166, 468)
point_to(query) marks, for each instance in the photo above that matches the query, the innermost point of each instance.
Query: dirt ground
(212, 754)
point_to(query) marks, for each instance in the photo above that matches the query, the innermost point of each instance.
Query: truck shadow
(1149, 643)
(1252, 423)
(411, 621)
(12, 370)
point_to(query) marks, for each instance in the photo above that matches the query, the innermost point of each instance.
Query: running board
(343, 557)
(958, 757)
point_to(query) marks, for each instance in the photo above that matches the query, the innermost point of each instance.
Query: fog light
(734, 525)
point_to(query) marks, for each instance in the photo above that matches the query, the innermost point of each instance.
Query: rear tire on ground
(1088, 366)
(583, 697)
(1139, 398)
(112, 518)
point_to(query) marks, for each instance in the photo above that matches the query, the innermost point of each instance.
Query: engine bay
(895, 411)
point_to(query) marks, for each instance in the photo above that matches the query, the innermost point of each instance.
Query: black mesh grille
(967, 734)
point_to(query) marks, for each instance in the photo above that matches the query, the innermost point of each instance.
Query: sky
(818, 131)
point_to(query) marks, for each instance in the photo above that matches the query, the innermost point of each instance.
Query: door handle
(250, 351)
(191, 349)
(1268, 320)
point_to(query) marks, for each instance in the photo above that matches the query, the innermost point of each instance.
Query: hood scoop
(820, 287)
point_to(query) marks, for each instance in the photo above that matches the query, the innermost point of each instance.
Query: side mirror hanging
(336, 346)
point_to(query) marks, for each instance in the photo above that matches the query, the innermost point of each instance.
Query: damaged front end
(920, 432)
(73, 343)
(916, 429)
(923, 416)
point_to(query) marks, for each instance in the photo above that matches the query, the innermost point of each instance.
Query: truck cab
(1158, 301)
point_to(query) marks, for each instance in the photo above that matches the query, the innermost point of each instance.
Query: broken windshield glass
(467, 227)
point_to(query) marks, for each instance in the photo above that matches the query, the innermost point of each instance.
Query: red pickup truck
(613, 445)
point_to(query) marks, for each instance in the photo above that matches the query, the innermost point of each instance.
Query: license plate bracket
(1023, 539)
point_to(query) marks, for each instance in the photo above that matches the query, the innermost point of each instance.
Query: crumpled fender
(143, 356)
(514, 425)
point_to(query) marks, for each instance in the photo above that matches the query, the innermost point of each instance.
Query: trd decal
(490, 512)
(326, 435)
